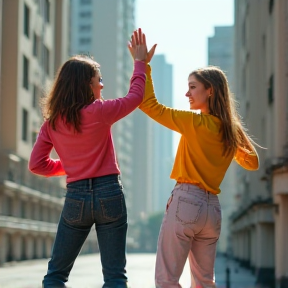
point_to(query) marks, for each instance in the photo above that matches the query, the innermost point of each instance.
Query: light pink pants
(190, 228)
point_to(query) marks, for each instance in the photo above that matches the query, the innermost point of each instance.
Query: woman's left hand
(138, 38)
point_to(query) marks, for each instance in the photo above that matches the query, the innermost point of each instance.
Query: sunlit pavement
(86, 273)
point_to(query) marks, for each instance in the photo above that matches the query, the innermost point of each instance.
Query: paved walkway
(87, 273)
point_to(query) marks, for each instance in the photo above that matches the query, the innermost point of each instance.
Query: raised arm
(173, 119)
(168, 117)
(114, 110)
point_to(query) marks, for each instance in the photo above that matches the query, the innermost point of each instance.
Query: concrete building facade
(259, 232)
(34, 44)
(221, 54)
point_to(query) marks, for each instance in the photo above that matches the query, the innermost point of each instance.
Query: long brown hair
(221, 104)
(71, 91)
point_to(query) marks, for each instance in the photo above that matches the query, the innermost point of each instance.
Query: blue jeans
(97, 200)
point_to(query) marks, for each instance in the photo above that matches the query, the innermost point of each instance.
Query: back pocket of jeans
(188, 211)
(72, 210)
(113, 207)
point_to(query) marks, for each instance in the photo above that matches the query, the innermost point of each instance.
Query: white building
(102, 29)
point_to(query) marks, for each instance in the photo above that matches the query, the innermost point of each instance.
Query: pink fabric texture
(90, 153)
(190, 229)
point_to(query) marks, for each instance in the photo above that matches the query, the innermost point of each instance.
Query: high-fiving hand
(138, 48)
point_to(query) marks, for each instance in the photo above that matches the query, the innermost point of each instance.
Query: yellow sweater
(199, 159)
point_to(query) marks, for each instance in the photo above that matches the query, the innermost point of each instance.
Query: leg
(203, 250)
(69, 240)
(112, 246)
(173, 248)
(110, 216)
(202, 259)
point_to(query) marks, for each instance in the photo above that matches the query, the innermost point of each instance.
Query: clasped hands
(138, 47)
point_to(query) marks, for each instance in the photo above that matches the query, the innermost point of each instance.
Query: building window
(85, 14)
(85, 28)
(271, 5)
(26, 20)
(25, 72)
(84, 41)
(85, 2)
(35, 45)
(35, 96)
(24, 125)
(46, 59)
(244, 32)
(47, 11)
(270, 90)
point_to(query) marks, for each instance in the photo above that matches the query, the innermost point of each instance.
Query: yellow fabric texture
(199, 159)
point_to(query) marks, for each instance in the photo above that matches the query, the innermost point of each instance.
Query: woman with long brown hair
(211, 137)
(78, 125)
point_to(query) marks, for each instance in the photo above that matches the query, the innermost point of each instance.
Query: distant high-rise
(153, 152)
(221, 54)
(163, 159)
(102, 29)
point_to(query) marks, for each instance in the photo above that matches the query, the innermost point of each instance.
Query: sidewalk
(239, 276)
(86, 273)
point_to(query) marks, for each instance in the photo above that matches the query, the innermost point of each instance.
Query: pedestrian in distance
(212, 135)
(78, 125)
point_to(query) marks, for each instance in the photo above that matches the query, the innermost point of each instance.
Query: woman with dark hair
(211, 137)
(78, 125)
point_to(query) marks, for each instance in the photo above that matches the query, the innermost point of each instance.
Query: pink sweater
(90, 153)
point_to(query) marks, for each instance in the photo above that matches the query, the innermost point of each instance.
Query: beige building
(34, 44)
(258, 225)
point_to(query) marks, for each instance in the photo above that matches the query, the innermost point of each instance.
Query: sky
(181, 29)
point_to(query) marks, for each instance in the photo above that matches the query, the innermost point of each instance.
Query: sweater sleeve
(40, 162)
(249, 160)
(115, 109)
(173, 119)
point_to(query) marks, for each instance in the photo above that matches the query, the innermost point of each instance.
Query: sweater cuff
(140, 66)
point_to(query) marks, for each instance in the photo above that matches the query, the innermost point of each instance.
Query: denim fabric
(190, 229)
(101, 201)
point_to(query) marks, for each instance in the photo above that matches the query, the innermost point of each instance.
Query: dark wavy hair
(70, 92)
(222, 105)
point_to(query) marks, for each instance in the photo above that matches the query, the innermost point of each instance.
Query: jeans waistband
(89, 183)
(195, 189)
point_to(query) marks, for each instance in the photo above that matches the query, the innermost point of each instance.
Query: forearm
(40, 162)
(247, 159)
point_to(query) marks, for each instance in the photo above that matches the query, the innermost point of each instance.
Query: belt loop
(90, 183)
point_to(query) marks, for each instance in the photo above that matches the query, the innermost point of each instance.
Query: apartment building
(35, 38)
(259, 232)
